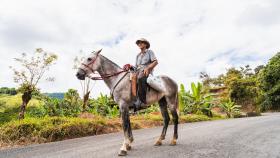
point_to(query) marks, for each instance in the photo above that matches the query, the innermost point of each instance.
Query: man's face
(141, 45)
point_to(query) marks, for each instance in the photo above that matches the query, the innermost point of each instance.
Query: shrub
(195, 101)
(36, 111)
(230, 108)
(104, 106)
(51, 129)
(57, 107)
(153, 108)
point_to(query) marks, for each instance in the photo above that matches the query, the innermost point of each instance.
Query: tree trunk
(85, 101)
(26, 97)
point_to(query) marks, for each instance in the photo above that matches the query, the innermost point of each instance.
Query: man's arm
(150, 67)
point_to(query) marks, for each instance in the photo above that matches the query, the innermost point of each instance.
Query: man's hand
(146, 72)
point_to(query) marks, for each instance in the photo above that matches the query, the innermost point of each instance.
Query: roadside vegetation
(240, 92)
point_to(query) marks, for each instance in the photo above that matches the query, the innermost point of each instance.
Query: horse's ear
(98, 52)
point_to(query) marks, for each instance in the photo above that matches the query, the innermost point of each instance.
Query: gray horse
(164, 91)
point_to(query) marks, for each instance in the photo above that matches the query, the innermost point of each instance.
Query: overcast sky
(187, 36)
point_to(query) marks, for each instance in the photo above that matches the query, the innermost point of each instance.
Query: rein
(102, 76)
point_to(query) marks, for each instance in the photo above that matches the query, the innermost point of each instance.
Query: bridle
(102, 76)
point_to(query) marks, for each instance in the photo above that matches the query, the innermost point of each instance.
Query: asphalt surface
(254, 137)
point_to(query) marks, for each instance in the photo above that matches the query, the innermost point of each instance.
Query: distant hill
(55, 95)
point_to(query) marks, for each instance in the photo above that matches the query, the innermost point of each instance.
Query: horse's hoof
(131, 139)
(158, 143)
(128, 147)
(173, 142)
(122, 153)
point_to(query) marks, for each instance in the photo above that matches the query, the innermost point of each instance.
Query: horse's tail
(177, 102)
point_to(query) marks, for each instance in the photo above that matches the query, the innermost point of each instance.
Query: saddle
(139, 83)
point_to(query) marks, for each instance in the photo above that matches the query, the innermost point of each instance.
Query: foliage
(152, 109)
(55, 95)
(9, 107)
(69, 106)
(51, 129)
(104, 106)
(47, 129)
(9, 91)
(195, 101)
(239, 85)
(36, 111)
(53, 107)
(183, 100)
(207, 106)
(230, 108)
(244, 91)
(71, 103)
(34, 68)
(269, 79)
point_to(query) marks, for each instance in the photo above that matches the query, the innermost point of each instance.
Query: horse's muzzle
(81, 75)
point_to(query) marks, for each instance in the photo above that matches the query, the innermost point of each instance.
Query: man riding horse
(163, 91)
(145, 63)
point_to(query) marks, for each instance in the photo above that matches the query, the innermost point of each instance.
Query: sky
(187, 36)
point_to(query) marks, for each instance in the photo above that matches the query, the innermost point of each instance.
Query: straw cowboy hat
(144, 41)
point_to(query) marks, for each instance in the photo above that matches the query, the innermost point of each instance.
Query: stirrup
(137, 105)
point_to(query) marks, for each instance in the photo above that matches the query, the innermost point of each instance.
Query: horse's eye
(89, 59)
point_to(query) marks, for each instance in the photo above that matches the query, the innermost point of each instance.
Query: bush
(36, 111)
(104, 106)
(196, 101)
(51, 129)
(57, 107)
(231, 109)
(153, 108)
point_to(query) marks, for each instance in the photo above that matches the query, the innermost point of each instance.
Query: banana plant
(207, 106)
(196, 100)
(105, 106)
(230, 108)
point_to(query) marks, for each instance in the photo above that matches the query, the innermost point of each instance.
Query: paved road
(255, 137)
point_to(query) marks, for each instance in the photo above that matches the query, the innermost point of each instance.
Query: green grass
(48, 129)
(35, 130)
(15, 100)
(10, 106)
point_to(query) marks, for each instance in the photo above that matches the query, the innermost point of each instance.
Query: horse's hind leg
(166, 119)
(175, 121)
(173, 105)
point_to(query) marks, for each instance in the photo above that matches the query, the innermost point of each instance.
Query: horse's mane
(110, 61)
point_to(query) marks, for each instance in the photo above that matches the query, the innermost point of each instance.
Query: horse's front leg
(128, 137)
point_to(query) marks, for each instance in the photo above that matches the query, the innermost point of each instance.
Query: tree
(239, 85)
(9, 91)
(71, 103)
(85, 84)
(269, 78)
(33, 69)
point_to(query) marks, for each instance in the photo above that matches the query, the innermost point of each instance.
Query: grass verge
(49, 129)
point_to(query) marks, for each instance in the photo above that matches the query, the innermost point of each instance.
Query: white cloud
(188, 36)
